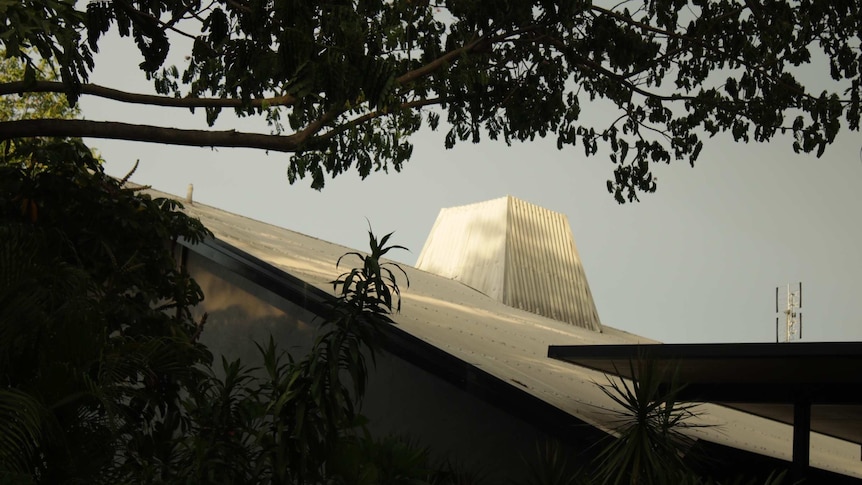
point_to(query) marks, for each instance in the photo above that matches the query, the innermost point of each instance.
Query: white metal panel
(468, 244)
(515, 252)
(544, 273)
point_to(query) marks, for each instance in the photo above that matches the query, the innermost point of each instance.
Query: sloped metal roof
(518, 253)
(509, 343)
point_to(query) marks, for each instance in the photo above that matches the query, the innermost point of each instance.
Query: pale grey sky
(696, 262)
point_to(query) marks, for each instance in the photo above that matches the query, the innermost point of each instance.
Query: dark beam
(801, 437)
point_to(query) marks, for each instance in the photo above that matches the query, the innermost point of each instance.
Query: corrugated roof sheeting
(509, 343)
(544, 271)
(515, 252)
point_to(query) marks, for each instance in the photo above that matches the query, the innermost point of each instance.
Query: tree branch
(706, 45)
(19, 87)
(317, 125)
(239, 6)
(375, 114)
(413, 75)
(586, 62)
(145, 133)
(438, 63)
(596, 67)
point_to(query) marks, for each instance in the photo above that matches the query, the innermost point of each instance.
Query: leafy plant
(223, 416)
(650, 443)
(649, 425)
(367, 294)
(550, 466)
(450, 473)
(35, 105)
(97, 341)
(293, 419)
(391, 460)
(317, 404)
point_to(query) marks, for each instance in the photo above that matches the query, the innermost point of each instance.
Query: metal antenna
(776, 317)
(792, 315)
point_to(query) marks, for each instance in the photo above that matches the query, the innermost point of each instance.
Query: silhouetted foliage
(96, 337)
(345, 84)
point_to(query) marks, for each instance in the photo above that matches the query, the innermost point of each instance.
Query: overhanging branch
(20, 87)
(440, 62)
(372, 115)
(426, 70)
(752, 5)
(145, 133)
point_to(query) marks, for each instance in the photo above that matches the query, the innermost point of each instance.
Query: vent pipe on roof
(189, 194)
(518, 253)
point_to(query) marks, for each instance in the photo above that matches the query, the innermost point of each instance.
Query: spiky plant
(650, 428)
(550, 466)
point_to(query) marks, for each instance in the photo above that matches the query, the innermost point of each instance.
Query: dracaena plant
(650, 425)
(289, 422)
(652, 444)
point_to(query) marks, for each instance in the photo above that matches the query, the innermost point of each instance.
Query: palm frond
(22, 426)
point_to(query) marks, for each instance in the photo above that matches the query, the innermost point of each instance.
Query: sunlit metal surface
(515, 252)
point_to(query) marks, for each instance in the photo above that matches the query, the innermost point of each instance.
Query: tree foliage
(26, 106)
(296, 419)
(102, 377)
(346, 83)
(96, 335)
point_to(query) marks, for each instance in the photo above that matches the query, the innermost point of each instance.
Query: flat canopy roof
(766, 379)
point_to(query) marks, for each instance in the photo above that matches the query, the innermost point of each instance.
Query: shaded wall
(401, 398)
(241, 313)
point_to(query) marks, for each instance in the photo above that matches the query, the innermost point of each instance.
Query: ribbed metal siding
(544, 274)
(515, 252)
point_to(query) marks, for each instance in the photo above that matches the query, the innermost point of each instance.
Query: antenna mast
(792, 315)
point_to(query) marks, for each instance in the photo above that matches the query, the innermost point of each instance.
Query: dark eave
(823, 372)
(813, 386)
